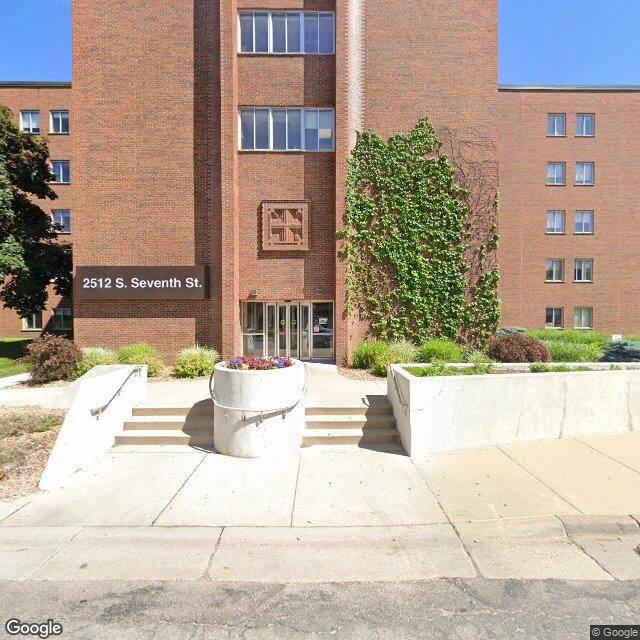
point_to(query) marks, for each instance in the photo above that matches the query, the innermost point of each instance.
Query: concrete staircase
(362, 425)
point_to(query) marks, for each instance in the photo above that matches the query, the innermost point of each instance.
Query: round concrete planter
(249, 421)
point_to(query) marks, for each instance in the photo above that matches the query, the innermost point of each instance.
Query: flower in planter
(249, 363)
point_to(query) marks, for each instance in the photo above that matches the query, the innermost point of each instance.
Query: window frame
(557, 184)
(562, 271)
(553, 325)
(53, 220)
(582, 327)
(54, 173)
(555, 116)
(51, 121)
(31, 316)
(575, 222)
(24, 112)
(303, 111)
(58, 312)
(586, 135)
(593, 174)
(564, 222)
(575, 269)
(302, 44)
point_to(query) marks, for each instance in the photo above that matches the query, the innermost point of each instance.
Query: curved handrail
(244, 410)
(397, 386)
(96, 413)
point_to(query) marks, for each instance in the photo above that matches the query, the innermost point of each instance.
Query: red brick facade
(158, 177)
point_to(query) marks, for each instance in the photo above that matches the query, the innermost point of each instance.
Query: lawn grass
(11, 349)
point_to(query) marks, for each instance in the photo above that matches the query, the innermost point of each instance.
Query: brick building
(217, 134)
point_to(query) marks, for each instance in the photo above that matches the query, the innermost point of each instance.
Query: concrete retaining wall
(466, 412)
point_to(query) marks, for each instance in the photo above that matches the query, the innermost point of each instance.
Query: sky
(541, 41)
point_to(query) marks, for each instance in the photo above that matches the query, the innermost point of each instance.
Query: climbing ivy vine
(419, 262)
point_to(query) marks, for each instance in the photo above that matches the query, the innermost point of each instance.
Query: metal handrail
(397, 386)
(246, 410)
(96, 413)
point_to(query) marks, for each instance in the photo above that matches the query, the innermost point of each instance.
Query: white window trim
(270, 51)
(57, 312)
(555, 116)
(575, 268)
(53, 220)
(24, 323)
(593, 174)
(586, 135)
(564, 222)
(23, 112)
(555, 183)
(562, 268)
(303, 114)
(553, 326)
(59, 133)
(584, 233)
(582, 309)
(56, 181)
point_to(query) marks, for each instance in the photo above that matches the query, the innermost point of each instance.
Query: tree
(418, 265)
(31, 256)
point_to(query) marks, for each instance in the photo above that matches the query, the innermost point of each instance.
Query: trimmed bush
(195, 362)
(443, 350)
(562, 351)
(396, 352)
(625, 351)
(93, 358)
(367, 353)
(475, 356)
(516, 347)
(142, 353)
(52, 358)
(507, 331)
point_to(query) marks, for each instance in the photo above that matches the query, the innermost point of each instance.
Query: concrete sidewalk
(561, 509)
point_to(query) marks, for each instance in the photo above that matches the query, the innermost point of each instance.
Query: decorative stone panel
(285, 225)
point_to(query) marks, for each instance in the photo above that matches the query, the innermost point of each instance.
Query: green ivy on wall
(415, 265)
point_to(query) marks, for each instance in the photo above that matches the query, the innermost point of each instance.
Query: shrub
(443, 350)
(475, 356)
(441, 369)
(517, 347)
(367, 353)
(625, 351)
(52, 358)
(543, 367)
(507, 331)
(142, 353)
(93, 358)
(601, 340)
(396, 352)
(562, 351)
(195, 362)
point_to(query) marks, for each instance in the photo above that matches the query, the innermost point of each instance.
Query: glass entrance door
(289, 330)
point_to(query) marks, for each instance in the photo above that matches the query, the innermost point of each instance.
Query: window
(30, 121)
(61, 170)
(555, 222)
(62, 220)
(556, 173)
(583, 318)
(554, 317)
(32, 322)
(60, 122)
(583, 270)
(584, 222)
(265, 129)
(286, 32)
(585, 125)
(584, 173)
(62, 319)
(253, 329)
(555, 270)
(557, 124)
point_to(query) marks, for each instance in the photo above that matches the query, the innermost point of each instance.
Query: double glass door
(301, 330)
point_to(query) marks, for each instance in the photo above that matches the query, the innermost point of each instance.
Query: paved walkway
(562, 509)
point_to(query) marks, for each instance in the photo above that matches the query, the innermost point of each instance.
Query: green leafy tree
(31, 256)
(420, 248)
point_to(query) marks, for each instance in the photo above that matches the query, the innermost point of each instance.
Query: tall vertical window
(62, 319)
(584, 222)
(583, 318)
(253, 328)
(585, 173)
(62, 220)
(60, 122)
(32, 322)
(287, 32)
(554, 317)
(583, 270)
(555, 222)
(585, 125)
(30, 121)
(555, 270)
(556, 173)
(268, 129)
(61, 170)
(557, 124)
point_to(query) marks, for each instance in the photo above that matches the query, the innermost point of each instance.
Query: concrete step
(350, 436)
(168, 423)
(204, 408)
(375, 421)
(358, 410)
(202, 437)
